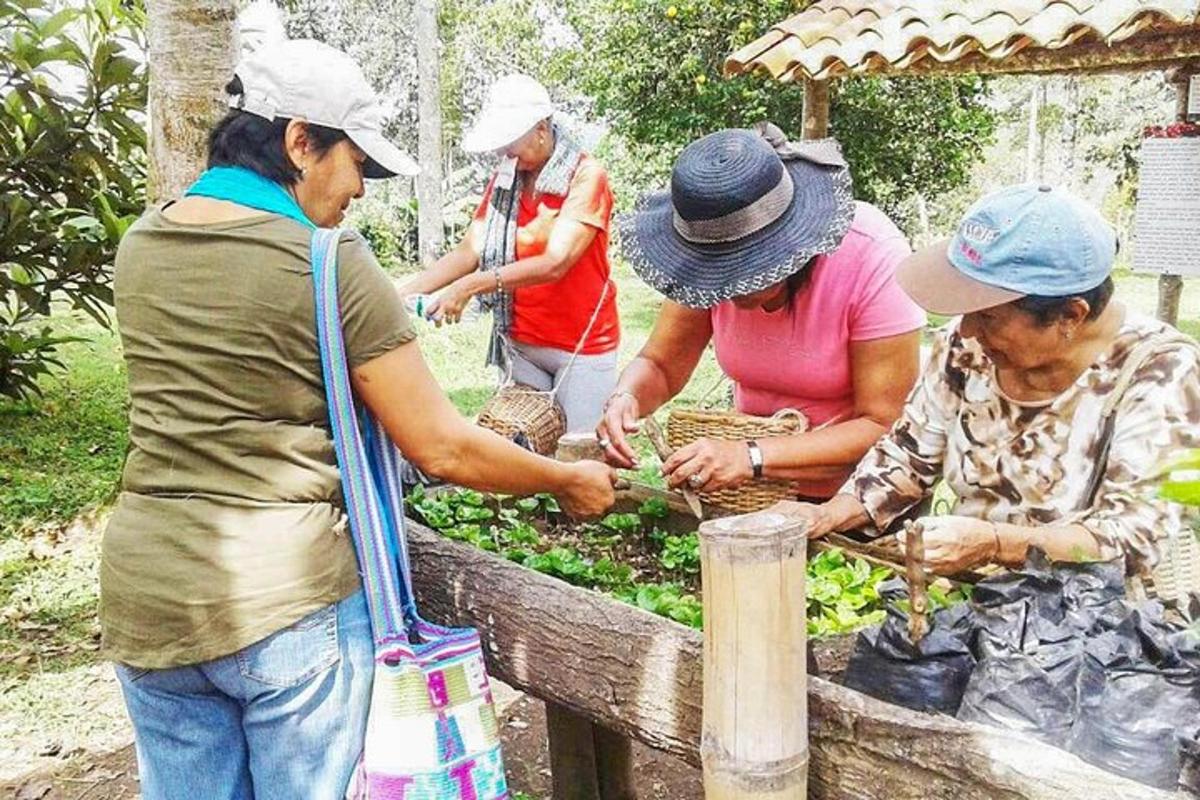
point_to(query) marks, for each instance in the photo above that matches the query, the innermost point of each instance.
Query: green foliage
(64, 456)
(681, 554)
(73, 148)
(843, 593)
(666, 600)
(622, 523)
(654, 68)
(1182, 481)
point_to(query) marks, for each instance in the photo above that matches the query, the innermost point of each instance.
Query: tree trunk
(1031, 135)
(193, 48)
(429, 142)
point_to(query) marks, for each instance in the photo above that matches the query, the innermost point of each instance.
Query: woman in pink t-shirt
(761, 249)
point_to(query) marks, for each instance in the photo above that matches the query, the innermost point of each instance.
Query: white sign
(1167, 223)
(1194, 96)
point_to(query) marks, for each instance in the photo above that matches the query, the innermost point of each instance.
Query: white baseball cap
(308, 80)
(515, 103)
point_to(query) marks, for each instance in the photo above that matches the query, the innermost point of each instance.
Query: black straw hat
(746, 209)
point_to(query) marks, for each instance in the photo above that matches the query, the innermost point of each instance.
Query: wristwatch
(756, 458)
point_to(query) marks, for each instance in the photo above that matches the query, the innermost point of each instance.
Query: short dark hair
(242, 139)
(1048, 310)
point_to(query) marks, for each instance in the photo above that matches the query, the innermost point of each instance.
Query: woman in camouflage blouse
(1010, 410)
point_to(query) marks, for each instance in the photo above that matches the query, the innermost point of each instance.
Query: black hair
(1048, 310)
(242, 139)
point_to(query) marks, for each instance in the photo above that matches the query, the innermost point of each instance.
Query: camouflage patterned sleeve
(1158, 417)
(903, 466)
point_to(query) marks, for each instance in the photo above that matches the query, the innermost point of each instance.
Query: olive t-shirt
(229, 525)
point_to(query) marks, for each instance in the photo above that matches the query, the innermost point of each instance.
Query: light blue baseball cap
(1021, 240)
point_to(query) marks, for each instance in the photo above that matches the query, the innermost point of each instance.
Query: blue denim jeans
(284, 718)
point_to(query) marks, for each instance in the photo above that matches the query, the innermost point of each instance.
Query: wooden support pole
(587, 761)
(572, 755)
(754, 736)
(816, 109)
(614, 764)
(1170, 287)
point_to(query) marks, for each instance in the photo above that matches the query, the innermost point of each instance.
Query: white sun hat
(308, 80)
(515, 103)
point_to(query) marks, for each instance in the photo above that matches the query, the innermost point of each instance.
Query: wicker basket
(1178, 572)
(528, 416)
(686, 425)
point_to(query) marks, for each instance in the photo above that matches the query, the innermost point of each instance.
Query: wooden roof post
(754, 739)
(816, 109)
(1170, 287)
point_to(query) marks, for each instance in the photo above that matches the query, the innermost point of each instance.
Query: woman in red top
(536, 255)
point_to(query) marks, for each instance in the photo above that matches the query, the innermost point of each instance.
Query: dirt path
(113, 775)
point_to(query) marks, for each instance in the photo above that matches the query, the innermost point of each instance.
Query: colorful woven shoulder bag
(431, 729)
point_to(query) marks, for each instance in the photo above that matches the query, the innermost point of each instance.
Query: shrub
(73, 144)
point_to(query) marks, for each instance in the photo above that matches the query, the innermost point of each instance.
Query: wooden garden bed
(639, 675)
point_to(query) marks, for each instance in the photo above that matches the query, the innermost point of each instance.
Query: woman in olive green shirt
(230, 597)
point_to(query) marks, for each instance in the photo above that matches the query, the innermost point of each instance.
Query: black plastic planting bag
(1028, 682)
(1031, 624)
(1139, 692)
(928, 676)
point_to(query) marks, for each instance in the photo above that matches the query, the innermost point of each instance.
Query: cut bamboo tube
(754, 739)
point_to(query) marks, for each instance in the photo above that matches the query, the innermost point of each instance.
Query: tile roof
(842, 37)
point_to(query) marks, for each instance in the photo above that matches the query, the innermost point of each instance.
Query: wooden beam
(640, 675)
(815, 123)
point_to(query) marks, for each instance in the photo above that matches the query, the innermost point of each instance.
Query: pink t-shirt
(799, 357)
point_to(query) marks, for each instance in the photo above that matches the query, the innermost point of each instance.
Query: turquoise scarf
(247, 188)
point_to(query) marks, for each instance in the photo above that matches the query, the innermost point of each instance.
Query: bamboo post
(815, 124)
(754, 736)
(1170, 287)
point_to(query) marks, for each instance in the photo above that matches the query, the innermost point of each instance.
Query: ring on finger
(604, 444)
(695, 481)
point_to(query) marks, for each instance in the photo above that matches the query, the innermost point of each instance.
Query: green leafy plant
(667, 600)
(655, 508)
(74, 169)
(843, 593)
(623, 523)
(681, 554)
(562, 563)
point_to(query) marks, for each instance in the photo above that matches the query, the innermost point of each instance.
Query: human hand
(619, 420)
(707, 465)
(954, 544)
(448, 306)
(815, 516)
(588, 491)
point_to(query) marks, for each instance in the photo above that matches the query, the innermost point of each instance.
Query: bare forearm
(458, 262)
(648, 382)
(480, 459)
(1059, 542)
(822, 454)
(531, 271)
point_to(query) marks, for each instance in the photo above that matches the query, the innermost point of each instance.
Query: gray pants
(584, 389)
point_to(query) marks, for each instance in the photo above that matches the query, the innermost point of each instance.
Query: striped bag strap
(368, 465)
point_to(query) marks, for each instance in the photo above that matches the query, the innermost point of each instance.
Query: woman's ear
(1074, 314)
(296, 144)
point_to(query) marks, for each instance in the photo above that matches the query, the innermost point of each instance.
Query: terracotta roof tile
(840, 37)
